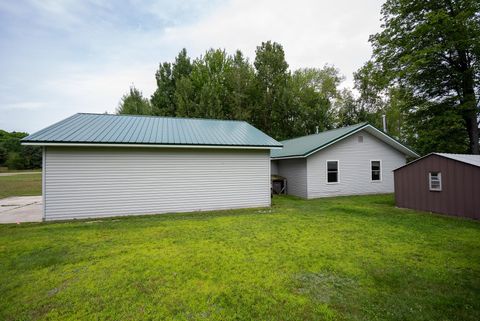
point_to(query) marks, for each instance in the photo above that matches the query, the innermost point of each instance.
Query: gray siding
(354, 167)
(108, 181)
(274, 167)
(295, 170)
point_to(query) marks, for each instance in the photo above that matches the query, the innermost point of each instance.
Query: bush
(15, 161)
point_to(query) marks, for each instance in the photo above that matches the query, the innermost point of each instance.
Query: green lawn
(350, 258)
(21, 185)
(7, 170)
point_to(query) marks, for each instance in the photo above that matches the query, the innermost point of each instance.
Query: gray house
(358, 159)
(98, 165)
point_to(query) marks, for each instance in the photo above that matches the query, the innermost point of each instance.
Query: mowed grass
(348, 258)
(21, 185)
(4, 169)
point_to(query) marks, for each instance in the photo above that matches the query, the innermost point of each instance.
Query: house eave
(80, 144)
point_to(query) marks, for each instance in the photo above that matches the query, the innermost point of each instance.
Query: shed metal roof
(465, 158)
(106, 129)
(306, 145)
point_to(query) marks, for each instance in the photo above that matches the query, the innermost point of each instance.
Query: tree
(15, 161)
(184, 98)
(271, 111)
(314, 92)
(3, 155)
(209, 78)
(133, 103)
(16, 156)
(242, 85)
(372, 86)
(347, 109)
(31, 156)
(436, 127)
(378, 98)
(163, 99)
(431, 49)
(182, 66)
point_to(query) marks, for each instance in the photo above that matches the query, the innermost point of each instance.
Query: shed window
(375, 166)
(332, 171)
(435, 181)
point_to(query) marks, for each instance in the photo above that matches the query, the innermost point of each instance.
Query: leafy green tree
(371, 85)
(185, 98)
(314, 92)
(378, 98)
(133, 103)
(163, 99)
(271, 113)
(31, 156)
(11, 141)
(210, 79)
(16, 156)
(348, 112)
(242, 85)
(431, 48)
(436, 127)
(15, 161)
(182, 66)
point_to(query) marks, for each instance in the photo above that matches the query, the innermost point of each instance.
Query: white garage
(100, 165)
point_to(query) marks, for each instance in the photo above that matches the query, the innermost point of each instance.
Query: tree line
(280, 102)
(424, 76)
(16, 156)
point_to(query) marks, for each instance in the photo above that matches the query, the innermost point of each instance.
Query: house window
(332, 171)
(360, 139)
(376, 169)
(435, 181)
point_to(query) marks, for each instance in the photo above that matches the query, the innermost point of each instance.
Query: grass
(349, 258)
(7, 170)
(21, 185)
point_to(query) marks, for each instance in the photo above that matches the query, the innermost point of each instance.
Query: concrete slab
(21, 209)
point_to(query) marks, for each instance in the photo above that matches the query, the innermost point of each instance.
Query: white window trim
(381, 171)
(338, 171)
(430, 182)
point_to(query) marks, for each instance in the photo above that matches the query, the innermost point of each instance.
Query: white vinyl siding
(295, 171)
(82, 182)
(354, 167)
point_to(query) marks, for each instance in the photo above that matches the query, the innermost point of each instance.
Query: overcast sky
(61, 57)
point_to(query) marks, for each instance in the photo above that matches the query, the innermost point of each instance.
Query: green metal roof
(126, 129)
(306, 145)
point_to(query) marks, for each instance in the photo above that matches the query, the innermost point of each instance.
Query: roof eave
(90, 144)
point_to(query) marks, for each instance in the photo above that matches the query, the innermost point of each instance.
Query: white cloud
(88, 53)
(312, 32)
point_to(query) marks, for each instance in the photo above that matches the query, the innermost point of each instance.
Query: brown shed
(440, 183)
